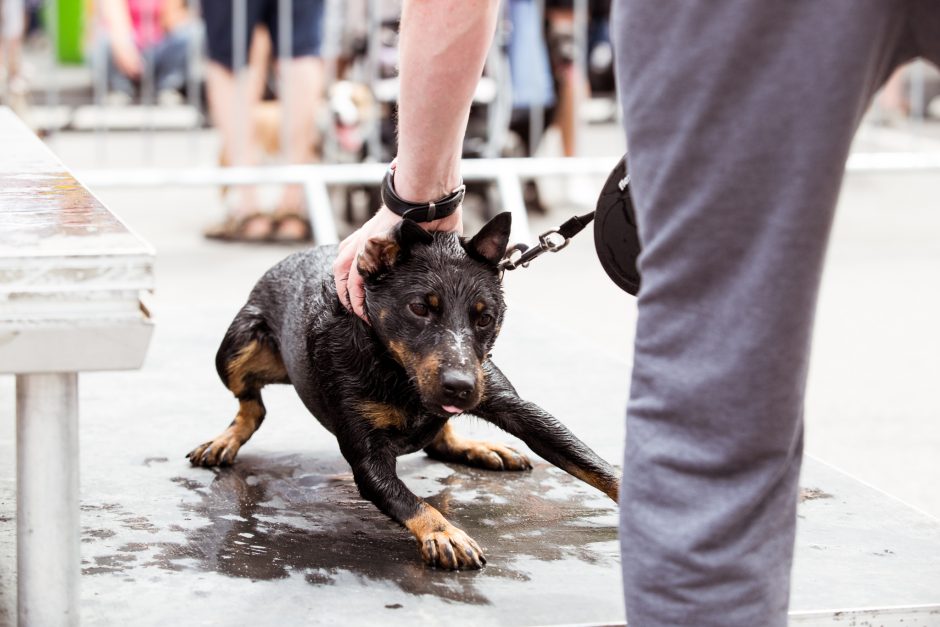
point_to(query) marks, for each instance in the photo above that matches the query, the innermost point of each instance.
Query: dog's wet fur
(389, 388)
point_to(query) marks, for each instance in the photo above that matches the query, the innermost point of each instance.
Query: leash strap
(550, 241)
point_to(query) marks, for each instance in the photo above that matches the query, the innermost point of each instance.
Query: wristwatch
(419, 212)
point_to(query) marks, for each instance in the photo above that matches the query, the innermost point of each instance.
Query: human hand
(346, 275)
(127, 58)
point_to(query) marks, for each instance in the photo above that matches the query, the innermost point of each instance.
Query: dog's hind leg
(248, 359)
(449, 447)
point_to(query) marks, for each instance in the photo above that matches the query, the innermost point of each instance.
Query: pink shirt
(145, 20)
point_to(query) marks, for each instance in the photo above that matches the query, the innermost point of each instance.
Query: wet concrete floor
(294, 524)
(282, 536)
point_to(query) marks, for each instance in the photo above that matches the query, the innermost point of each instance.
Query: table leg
(47, 511)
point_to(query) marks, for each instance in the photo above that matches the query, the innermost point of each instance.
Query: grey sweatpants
(739, 117)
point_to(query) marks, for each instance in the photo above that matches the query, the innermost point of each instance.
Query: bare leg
(231, 99)
(571, 84)
(302, 81)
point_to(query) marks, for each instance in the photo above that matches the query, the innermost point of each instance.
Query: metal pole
(499, 109)
(52, 91)
(285, 51)
(99, 62)
(581, 22)
(333, 25)
(47, 511)
(374, 20)
(148, 88)
(536, 108)
(240, 42)
(510, 191)
(917, 90)
(321, 211)
(193, 52)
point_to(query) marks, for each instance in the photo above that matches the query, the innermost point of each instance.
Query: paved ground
(188, 542)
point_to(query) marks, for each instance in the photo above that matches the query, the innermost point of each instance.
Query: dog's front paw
(218, 452)
(494, 456)
(451, 548)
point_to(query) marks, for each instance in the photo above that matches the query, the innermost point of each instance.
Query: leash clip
(521, 255)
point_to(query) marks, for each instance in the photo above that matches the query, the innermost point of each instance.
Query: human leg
(739, 119)
(171, 58)
(117, 82)
(301, 92)
(232, 96)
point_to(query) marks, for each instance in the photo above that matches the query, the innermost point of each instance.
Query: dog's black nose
(457, 385)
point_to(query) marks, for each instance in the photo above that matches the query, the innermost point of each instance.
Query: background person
(736, 162)
(138, 33)
(231, 104)
(13, 85)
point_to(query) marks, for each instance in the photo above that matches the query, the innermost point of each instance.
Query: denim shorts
(306, 33)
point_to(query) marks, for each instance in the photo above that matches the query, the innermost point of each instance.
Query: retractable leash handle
(615, 235)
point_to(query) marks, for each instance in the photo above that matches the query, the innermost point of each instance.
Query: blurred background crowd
(303, 81)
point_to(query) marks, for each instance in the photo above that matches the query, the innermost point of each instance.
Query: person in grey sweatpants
(739, 117)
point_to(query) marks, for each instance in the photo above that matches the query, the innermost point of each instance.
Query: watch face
(615, 234)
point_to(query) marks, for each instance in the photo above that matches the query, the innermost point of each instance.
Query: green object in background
(69, 28)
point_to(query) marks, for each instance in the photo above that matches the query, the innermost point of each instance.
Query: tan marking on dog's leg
(448, 446)
(254, 366)
(607, 485)
(441, 543)
(383, 415)
(223, 449)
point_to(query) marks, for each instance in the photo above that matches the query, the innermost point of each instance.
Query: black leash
(551, 241)
(616, 239)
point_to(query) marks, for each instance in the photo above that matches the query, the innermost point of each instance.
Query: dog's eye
(485, 320)
(418, 309)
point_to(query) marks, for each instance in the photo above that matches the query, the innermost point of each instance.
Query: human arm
(117, 19)
(443, 47)
(173, 14)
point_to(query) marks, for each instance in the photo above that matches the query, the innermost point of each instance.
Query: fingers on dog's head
(381, 253)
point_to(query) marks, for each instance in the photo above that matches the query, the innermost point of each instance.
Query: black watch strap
(419, 212)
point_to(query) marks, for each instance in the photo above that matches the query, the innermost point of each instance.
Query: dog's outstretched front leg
(449, 447)
(543, 433)
(441, 543)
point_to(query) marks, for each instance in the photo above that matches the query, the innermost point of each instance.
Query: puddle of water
(273, 518)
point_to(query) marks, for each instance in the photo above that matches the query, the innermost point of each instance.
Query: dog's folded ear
(489, 245)
(383, 252)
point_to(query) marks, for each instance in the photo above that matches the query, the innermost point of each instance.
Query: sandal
(291, 227)
(253, 227)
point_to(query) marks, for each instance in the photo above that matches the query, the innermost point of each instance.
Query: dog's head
(436, 303)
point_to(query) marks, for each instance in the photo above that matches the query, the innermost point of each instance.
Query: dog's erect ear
(408, 233)
(382, 252)
(489, 245)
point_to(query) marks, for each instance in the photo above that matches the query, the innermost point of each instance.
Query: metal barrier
(507, 174)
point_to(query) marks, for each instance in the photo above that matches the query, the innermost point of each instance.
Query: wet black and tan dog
(435, 305)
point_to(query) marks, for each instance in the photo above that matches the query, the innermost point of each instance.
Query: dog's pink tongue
(451, 409)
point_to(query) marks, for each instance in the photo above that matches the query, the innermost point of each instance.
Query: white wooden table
(72, 282)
